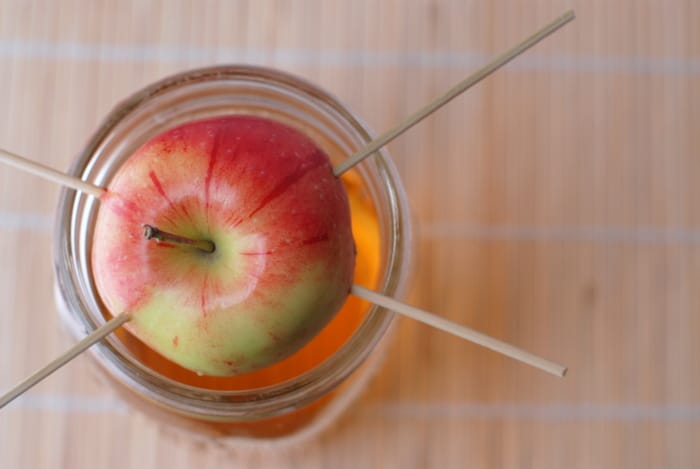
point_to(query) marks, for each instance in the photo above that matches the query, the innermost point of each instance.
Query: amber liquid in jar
(366, 232)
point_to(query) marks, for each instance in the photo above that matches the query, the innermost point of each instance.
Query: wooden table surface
(554, 208)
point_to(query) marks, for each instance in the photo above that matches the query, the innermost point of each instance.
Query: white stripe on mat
(419, 411)
(151, 53)
(594, 234)
(16, 221)
(544, 412)
(64, 403)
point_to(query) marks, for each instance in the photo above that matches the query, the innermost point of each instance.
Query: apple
(252, 250)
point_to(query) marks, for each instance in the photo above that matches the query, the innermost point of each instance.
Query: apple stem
(151, 232)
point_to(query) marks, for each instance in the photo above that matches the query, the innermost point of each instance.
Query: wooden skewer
(459, 330)
(95, 336)
(49, 173)
(455, 91)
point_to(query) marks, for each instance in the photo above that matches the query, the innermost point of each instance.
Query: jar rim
(277, 397)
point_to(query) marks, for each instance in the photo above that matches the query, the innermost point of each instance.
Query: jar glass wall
(284, 403)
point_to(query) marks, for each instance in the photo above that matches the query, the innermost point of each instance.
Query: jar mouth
(219, 90)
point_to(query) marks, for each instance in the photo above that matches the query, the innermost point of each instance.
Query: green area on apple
(273, 254)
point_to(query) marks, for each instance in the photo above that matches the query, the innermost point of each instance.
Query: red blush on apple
(264, 198)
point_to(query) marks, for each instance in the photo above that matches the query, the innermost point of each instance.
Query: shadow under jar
(301, 394)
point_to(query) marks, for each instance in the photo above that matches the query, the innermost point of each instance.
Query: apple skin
(266, 195)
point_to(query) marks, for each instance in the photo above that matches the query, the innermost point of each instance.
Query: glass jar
(296, 406)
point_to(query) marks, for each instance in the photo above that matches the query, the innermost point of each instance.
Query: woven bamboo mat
(554, 207)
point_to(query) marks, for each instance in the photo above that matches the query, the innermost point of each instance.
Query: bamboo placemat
(554, 208)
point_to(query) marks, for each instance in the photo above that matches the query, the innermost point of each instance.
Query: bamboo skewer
(452, 93)
(89, 340)
(48, 173)
(459, 330)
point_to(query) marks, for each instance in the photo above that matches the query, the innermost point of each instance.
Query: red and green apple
(270, 257)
